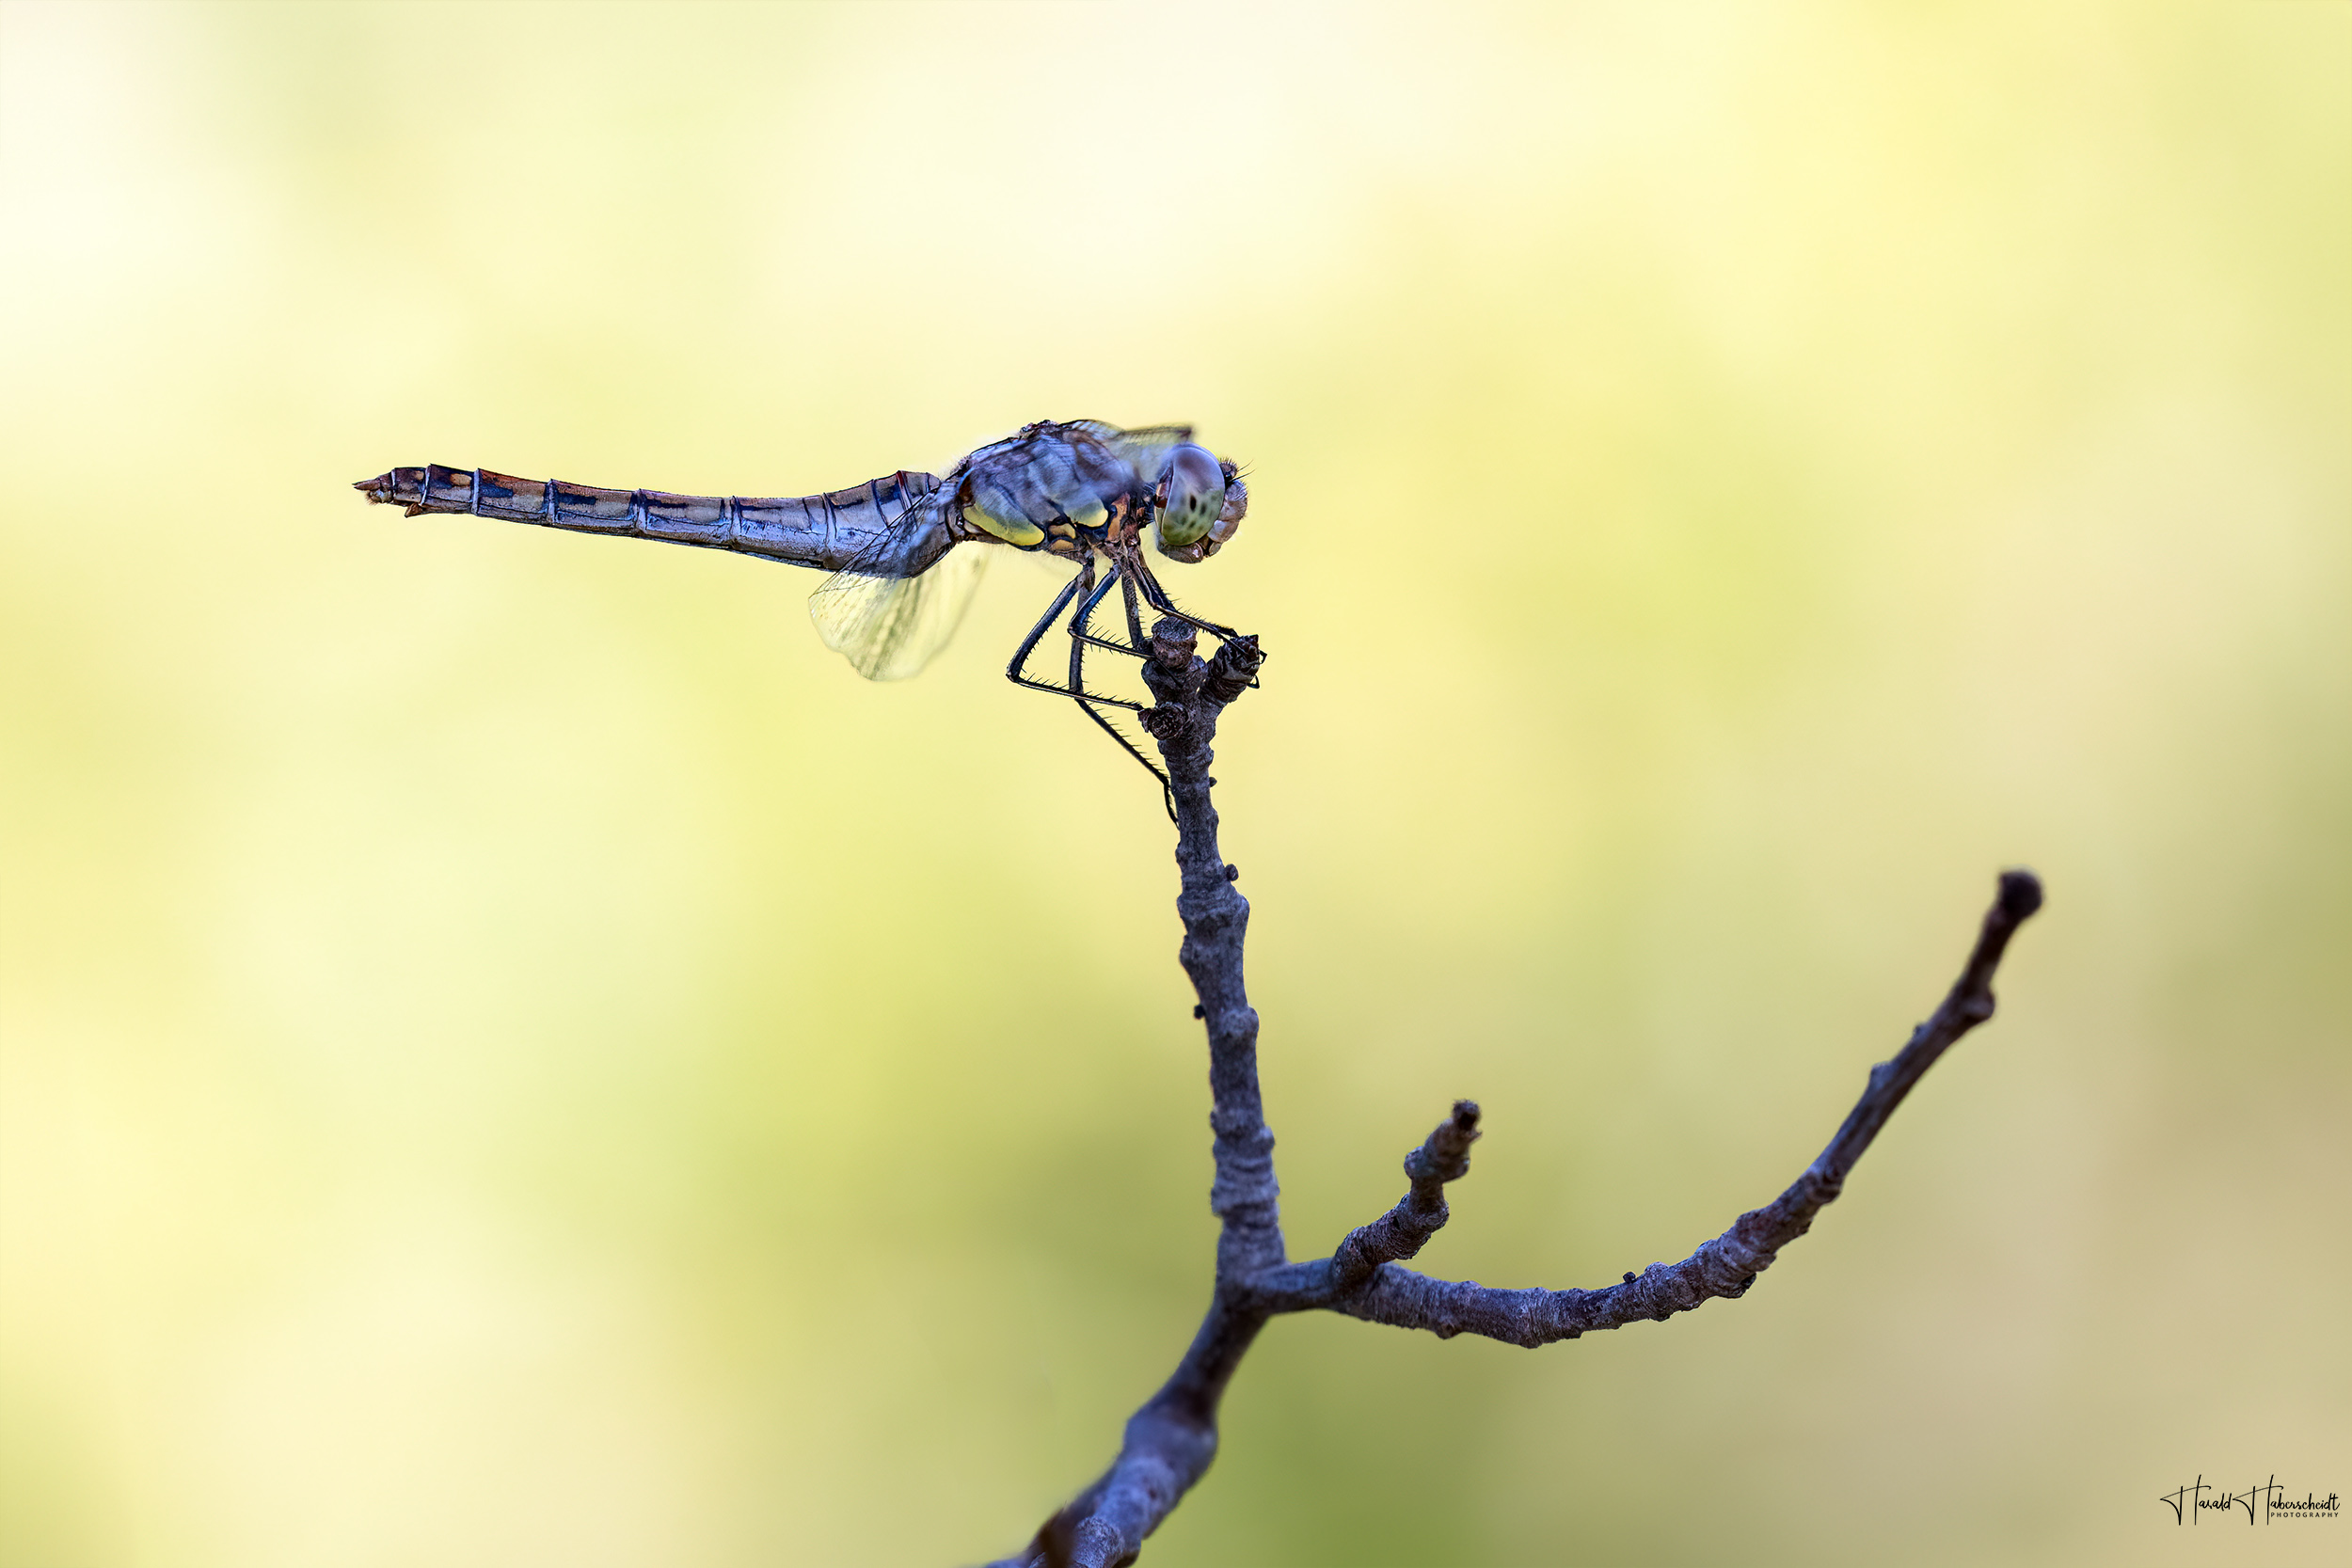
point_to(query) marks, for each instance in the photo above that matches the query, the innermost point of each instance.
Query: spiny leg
(1082, 629)
(1083, 583)
(1159, 600)
(1080, 587)
(1134, 618)
(1071, 590)
(1079, 638)
(1158, 597)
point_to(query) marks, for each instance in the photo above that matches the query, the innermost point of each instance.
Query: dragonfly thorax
(1082, 487)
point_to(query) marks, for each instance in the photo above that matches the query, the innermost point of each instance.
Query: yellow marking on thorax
(1013, 531)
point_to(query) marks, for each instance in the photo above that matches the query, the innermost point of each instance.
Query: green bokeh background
(514, 1055)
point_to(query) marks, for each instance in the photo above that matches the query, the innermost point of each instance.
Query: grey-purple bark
(1170, 1441)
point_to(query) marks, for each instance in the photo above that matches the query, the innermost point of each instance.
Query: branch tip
(1234, 669)
(2021, 893)
(1172, 641)
(1445, 1155)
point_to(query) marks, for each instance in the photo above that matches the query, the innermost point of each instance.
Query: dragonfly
(905, 552)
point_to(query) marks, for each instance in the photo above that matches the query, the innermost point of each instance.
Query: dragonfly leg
(1079, 637)
(1134, 619)
(1082, 588)
(1081, 627)
(1015, 672)
(1158, 599)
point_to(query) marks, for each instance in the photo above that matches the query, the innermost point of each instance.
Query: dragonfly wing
(888, 627)
(1147, 449)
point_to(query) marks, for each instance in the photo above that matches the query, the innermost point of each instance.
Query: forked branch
(1170, 1441)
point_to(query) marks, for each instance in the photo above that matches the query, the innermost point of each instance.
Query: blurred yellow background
(514, 1055)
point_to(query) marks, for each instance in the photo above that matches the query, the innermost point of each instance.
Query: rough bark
(1170, 1441)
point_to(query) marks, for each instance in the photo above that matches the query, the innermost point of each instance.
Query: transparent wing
(1143, 449)
(888, 627)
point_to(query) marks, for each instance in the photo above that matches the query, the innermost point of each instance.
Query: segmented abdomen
(827, 531)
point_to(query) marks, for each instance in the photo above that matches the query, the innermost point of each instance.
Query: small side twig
(1418, 1215)
(1170, 1441)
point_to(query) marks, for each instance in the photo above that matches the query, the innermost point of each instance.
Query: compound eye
(1195, 491)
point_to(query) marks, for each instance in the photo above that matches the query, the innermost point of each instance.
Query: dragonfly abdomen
(826, 531)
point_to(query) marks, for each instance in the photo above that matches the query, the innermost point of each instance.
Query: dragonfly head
(1199, 503)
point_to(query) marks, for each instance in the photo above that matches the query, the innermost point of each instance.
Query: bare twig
(1404, 1229)
(1170, 1441)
